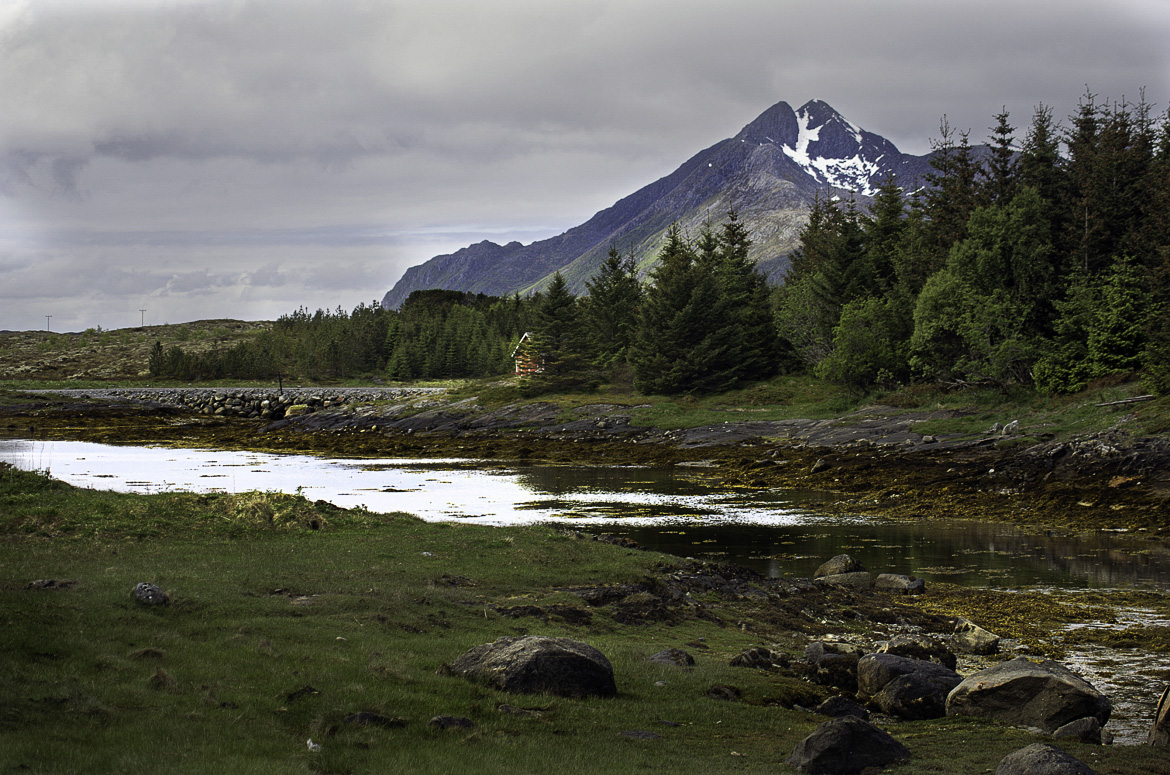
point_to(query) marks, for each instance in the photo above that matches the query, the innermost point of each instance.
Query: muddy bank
(872, 460)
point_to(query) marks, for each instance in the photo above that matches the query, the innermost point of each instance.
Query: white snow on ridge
(854, 174)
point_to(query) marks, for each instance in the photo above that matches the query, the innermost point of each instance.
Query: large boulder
(858, 580)
(904, 687)
(833, 664)
(1044, 694)
(970, 638)
(874, 671)
(916, 696)
(844, 746)
(899, 584)
(918, 647)
(1042, 759)
(1160, 732)
(534, 664)
(838, 565)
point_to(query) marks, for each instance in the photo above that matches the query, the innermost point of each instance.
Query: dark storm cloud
(222, 149)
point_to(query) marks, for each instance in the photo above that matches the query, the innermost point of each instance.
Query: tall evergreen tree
(560, 341)
(998, 183)
(951, 196)
(755, 347)
(610, 310)
(681, 340)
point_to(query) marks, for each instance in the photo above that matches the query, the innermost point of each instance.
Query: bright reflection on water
(676, 510)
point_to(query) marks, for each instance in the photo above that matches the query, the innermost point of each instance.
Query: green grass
(278, 629)
(1042, 416)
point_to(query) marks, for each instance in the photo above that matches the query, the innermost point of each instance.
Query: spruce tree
(755, 346)
(681, 341)
(560, 342)
(998, 184)
(610, 310)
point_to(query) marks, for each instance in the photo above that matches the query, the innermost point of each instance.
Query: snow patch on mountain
(855, 173)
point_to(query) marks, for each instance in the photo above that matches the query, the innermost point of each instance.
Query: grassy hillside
(119, 355)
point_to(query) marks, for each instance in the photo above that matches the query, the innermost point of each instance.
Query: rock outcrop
(1160, 731)
(973, 639)
(844, 746)
(1045, 695)
(1042, 759)
(904, 687)
(535, 664)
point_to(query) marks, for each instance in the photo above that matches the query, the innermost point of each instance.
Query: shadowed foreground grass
(287, 616)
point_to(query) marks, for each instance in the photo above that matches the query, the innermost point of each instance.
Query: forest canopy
(1042, 261)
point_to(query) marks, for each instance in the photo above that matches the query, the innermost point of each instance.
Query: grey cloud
(253, 153)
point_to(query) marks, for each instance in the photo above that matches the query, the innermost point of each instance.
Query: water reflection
(678, 510)
(957, 552)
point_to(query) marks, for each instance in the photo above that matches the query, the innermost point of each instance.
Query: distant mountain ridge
(769, 172)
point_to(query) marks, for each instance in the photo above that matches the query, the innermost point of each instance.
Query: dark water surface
(679, 510)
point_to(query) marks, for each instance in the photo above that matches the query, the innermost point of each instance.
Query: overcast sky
(242, 158)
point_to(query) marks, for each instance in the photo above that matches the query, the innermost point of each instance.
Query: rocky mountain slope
(769, 172)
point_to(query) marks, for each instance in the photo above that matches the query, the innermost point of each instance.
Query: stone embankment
(253, 403)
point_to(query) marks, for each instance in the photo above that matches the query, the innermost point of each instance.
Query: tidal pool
(679, 510)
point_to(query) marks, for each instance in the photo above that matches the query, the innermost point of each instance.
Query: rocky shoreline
(871, 460)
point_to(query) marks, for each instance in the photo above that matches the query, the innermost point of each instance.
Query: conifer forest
(1041, 260)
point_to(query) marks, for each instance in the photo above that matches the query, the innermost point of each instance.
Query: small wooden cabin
(527, 358)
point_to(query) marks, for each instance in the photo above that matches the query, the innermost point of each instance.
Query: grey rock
(820, 465)
(904, 687)
(918, 647)
(858, 580)
(973, 639)
(673, 656)
(1160, 731)
(842, 706)
(1045, 695)
(833, 664)
(1087, 730)
(149, 594)
(1042, 759)
(916, 696)
(842, 563)
(760, 658)
(846, 746)
(451, 722)
(534, 664)
(896, 582)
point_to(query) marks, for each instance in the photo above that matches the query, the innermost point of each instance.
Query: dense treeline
(1030, 267)
(437, 334)
(1045, 263)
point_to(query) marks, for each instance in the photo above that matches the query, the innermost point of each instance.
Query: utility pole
(47, 318)
(142, 319)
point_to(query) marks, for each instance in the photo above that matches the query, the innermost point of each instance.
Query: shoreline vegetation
(288, 617)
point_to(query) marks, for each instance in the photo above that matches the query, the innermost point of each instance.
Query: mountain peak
(777, 126)
(769, 172)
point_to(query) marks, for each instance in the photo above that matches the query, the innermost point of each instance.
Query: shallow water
(680, 510)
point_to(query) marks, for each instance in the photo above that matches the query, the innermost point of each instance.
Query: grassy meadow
(288, 616)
